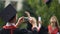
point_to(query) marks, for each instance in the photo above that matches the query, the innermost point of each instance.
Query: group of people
(9, 16)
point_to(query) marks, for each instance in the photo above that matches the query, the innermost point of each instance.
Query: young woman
(53, 27)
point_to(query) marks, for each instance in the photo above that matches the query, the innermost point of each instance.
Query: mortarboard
(8, 13)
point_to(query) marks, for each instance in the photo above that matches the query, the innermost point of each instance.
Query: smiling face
(53, 19)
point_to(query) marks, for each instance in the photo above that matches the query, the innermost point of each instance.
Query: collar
(10, 24)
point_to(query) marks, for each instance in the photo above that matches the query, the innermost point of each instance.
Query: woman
(53, 27)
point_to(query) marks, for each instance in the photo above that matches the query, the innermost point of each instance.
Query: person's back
(14, 31)
(8, 15)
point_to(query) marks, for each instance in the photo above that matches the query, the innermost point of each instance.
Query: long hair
(56, 23)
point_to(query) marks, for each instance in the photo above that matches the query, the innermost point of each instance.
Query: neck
(53, 24)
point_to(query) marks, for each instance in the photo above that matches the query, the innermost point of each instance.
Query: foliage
(42, 9)
(38, 8)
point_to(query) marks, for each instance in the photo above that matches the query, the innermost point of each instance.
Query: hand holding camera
(19, 21)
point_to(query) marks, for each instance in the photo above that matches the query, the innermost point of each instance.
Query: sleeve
(35, 31)
(29, 26)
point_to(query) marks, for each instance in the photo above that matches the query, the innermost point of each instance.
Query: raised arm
(32, 20)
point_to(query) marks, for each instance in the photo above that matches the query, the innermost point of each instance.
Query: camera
(26, 19)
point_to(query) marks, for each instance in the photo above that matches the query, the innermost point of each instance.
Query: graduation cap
(8, 13)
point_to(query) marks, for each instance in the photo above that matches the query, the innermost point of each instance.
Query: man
(9, 15)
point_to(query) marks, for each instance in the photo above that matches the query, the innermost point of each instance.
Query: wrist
(17, 24)
(34, 26)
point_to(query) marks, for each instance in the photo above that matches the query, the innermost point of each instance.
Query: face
(53, 19)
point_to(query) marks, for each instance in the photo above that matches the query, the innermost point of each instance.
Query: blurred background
(43, 8)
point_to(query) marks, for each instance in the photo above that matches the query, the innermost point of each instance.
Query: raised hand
(27, 13)
(32, 20)
(20, 20)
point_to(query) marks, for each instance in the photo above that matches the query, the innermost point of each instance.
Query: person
(40, 28)
(53, 27)
(9, 15)
(32, 25)
(32, 20)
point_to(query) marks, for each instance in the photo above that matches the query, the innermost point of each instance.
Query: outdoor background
(43, 8)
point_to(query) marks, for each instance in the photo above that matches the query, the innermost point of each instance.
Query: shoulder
(49, 26)
(44, 28)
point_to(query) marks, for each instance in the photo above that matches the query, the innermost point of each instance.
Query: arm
(39, 25)
(32, 20)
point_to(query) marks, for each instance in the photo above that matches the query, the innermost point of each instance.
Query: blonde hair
(57, 23)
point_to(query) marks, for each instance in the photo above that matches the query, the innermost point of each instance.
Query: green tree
(44, 10)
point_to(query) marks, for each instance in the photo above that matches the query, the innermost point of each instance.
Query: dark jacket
(43, 30)
(15, 31)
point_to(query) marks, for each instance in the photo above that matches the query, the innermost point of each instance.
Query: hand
(28, 14)
(20, 20)
(39, 22)
(32, 20)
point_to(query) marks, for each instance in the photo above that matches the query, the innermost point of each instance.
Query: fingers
(32, 20)
(28, 14)
(39, 22)
(20, 20)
